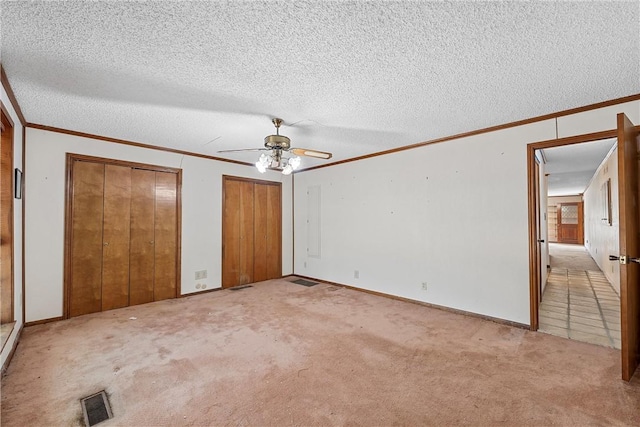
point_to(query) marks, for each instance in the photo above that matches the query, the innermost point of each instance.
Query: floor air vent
(237, 288)
(304, 282)
(96, 408)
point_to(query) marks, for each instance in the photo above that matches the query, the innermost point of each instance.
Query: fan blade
(243, 149)
(310, 153)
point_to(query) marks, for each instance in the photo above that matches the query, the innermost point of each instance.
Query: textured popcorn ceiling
(571, 167)
(356, 77)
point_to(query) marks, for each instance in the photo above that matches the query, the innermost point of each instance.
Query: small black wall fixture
(17, 180)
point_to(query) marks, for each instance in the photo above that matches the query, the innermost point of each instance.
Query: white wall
(17, 232)
(602, 239)
(453, 215)
(201, 213)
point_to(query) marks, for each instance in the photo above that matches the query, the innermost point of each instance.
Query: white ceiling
(356, 77)
(571, 167)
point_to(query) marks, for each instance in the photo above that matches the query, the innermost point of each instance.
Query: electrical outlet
(424, 286)
(356, 274)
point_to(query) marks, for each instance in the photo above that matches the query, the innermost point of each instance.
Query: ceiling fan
(278, 145)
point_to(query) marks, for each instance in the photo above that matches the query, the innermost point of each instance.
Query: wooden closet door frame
(73, 157)
(7, 200)
(278, 184)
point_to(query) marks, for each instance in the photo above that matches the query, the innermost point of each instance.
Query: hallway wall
(601, 238)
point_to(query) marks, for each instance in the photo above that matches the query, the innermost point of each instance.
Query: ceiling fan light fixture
(294, 162)
(288, 165)
(279, 145)
(261, 167)
(263, 163)
(277, 141)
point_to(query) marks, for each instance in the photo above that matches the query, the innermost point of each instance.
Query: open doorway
(626, 256)
(580, 298)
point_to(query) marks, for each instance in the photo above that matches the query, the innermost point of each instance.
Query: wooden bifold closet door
(122, 235)
(251, 230)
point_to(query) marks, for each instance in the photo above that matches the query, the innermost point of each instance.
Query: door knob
(540, 240)
(624, 259)
(106, 243)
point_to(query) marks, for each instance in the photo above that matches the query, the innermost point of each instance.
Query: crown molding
(132, 143)
(555, 115)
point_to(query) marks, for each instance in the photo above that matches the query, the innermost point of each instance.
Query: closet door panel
(261, 251)
(142, 249)
(274, 231)
(252, 229)
(166, 236)
(85, 294)
(231, 234)
(246, 232)
(116, 229)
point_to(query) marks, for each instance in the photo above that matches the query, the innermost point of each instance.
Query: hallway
(578, 302)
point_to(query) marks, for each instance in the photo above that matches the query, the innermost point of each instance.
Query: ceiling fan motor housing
(280, 142)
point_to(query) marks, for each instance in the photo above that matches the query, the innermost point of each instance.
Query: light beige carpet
(282, 354)
(571, 257)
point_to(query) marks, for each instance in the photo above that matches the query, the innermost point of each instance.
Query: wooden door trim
(12, 97)
(71, 158)
(534, 276)
(226, 178)
(536, 190)
(8, 204)
(179, 233)
(581, 223)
